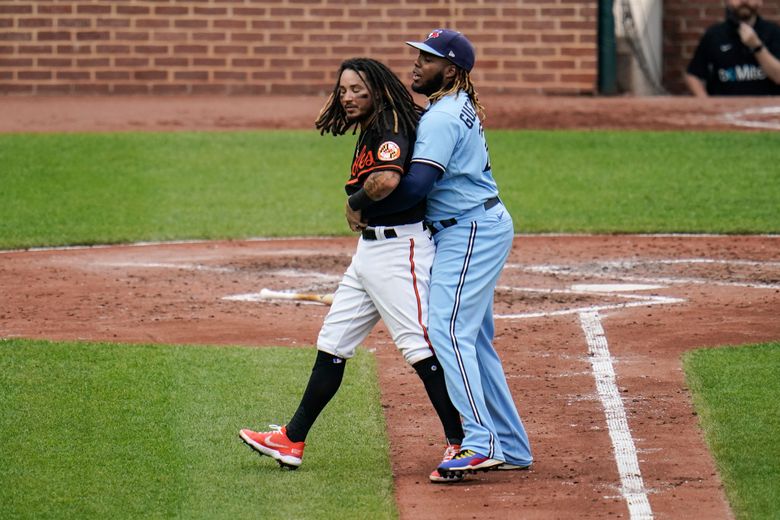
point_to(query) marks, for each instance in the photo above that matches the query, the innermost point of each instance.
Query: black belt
(491, 202)
(370, 234)
(451, 221)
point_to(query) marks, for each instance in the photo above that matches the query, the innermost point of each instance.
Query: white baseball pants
(388, 278)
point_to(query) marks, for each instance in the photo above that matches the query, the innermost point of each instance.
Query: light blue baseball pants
(469, 258)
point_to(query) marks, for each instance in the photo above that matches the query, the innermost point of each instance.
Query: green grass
(736, 391)
(94, 431)
(144, 431)
(108, 188)
(628, 182)
(59, 189)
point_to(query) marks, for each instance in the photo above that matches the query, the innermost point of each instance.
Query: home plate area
(537, 290)
(590, 329)
(598, 291)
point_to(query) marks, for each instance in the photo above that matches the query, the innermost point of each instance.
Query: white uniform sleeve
(437, 137)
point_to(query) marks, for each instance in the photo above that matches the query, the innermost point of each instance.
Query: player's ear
(450, 72)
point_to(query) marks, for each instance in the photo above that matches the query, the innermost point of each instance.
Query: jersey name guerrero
(450, 138)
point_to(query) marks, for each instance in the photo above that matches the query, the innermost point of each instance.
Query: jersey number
(487, 152)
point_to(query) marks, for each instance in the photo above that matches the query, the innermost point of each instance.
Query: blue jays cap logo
(449, 44)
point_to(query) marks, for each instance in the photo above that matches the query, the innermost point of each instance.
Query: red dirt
(173, 293)
(123, 113)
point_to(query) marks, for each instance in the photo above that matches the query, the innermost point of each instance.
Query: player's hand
(748, 36)
(355, 219)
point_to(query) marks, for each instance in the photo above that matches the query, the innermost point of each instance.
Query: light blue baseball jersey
(450, 137)
(470, 254)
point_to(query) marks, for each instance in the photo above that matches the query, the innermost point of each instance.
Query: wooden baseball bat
(326, 299)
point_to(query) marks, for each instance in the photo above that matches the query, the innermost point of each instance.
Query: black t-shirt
(727, 65)
(378, 150)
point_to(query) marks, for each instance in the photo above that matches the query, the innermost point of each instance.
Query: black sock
(432, 376)
(323, 384)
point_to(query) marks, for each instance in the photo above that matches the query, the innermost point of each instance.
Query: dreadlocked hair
(462, 82)
(389, 98)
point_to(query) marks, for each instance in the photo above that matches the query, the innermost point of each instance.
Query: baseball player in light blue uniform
(473, 232)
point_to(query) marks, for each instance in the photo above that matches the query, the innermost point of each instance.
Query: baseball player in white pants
(389, 276)
(388, 279)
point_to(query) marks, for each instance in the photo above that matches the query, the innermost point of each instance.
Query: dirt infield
(590, 328)
(655, 297)
(102, 114)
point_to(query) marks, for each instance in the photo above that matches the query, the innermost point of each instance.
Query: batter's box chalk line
(632, 486)
(745, 117)
(634, 300)
(620, 270)
(168, 265)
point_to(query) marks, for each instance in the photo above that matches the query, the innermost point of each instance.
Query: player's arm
(695, 85)
(411, 189)
(697, 70)
(378, 185)
(768, 62)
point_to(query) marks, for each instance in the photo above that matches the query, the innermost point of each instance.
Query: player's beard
(744, 12)
(363, 120)
(433, 85)
(363, 115)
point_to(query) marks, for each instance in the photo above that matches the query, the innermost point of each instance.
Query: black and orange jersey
(379, 151)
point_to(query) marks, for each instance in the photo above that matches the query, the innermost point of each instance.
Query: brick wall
(684, 23)
(282, 46)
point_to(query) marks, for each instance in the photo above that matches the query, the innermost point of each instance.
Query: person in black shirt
(737, 57)
(390, 273)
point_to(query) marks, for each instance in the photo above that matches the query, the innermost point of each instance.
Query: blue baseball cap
(449, 44)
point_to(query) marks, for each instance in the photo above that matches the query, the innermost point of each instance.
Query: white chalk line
(628, 264)
(289, 273)
(739, 117)
(166, 265)
(632, 486)
(640, 300)
(298, 273)
(565, 270)
(612, 288)
(752, 263)
(183, 242)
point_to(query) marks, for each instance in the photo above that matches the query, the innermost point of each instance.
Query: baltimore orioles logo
(388, 151)
(365, 162)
